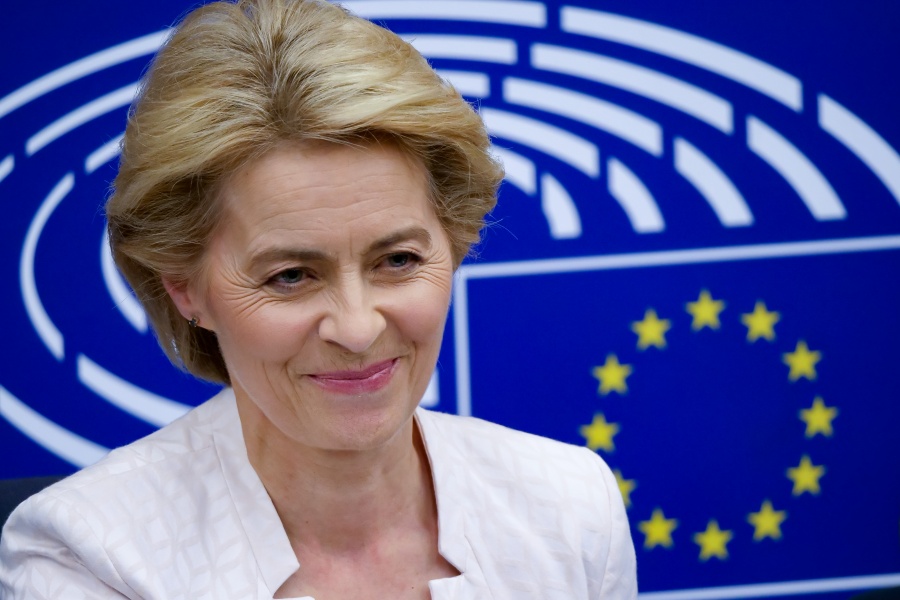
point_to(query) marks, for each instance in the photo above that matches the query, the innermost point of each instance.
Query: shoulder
(135, 474)
(560, 503)
(529, 456)
(70, 529)
(535, 481)
(168, 450)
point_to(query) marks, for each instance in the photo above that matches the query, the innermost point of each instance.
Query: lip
(369, 379)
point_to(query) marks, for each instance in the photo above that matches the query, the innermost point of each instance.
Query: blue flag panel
(746, 406)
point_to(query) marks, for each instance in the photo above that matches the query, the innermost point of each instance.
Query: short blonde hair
(234, 80)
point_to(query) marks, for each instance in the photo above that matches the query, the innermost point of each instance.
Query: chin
(366, 428)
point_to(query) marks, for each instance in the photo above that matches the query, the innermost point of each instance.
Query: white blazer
(182, 514)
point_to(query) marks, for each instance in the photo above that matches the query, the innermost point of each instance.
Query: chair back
(14, 491)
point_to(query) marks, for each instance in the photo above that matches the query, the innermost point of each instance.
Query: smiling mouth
(369, 379)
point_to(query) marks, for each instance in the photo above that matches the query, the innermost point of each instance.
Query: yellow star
(626, 486)
(713, 541)
(806, 476)
(651, 331)
(818, 418)
(705, 311)
(802, 362)
(767, 522)
(612, 376)
(658, 530)
(600, 434)
(760, 323)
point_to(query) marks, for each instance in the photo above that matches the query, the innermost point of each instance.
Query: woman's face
(328, 285)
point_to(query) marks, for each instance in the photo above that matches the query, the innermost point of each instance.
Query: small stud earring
(193, 323)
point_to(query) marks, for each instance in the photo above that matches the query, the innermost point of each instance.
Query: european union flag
(747, 407)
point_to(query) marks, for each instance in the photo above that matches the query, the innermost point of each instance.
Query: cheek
(424, 313)
(272, 333)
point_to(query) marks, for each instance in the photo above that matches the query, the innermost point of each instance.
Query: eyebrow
(415, 233)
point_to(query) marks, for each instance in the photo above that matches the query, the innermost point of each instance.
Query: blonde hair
(236, 79)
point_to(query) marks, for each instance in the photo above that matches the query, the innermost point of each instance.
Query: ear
(185, 299)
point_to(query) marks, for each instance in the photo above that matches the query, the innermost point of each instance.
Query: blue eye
(290, 276)
(401, 261)
(398, 261)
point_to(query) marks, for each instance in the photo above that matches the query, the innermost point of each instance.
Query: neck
(341, 500)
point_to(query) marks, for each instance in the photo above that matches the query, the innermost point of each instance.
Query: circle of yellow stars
(705, 313)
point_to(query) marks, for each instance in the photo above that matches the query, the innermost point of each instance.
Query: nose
(353, 320)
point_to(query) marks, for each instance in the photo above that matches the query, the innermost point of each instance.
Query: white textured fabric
(182, 514)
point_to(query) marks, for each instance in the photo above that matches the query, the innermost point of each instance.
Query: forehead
(325, 168)
(317, 188)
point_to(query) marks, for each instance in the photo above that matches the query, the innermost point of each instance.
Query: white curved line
(519, 171)
(567, 147)
(529, 14)
(562, 214)
(7, 166)
(863, 141)
(103, 154)
(621, 122)
(665, 89)
(692, 49)
(119, 290)
(41, 322)
(136, 401)
(80, 116)
(82, 67)
(467, 83)
(61, 442)
(465, 47)
(715, 187)
(634, 198)
(432, 396)
(800, 173)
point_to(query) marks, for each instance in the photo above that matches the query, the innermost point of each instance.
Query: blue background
(709, 423)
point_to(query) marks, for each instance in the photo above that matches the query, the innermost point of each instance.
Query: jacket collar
(457, 506)
(266, 535)
(262, 525)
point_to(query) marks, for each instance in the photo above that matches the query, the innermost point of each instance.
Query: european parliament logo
(692, 270)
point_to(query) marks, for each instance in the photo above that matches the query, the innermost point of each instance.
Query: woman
(297, 188)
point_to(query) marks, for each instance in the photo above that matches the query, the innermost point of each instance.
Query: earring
(193, 323)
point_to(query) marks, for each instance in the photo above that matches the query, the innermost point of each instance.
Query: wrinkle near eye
(238, 291)
(245, 303)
